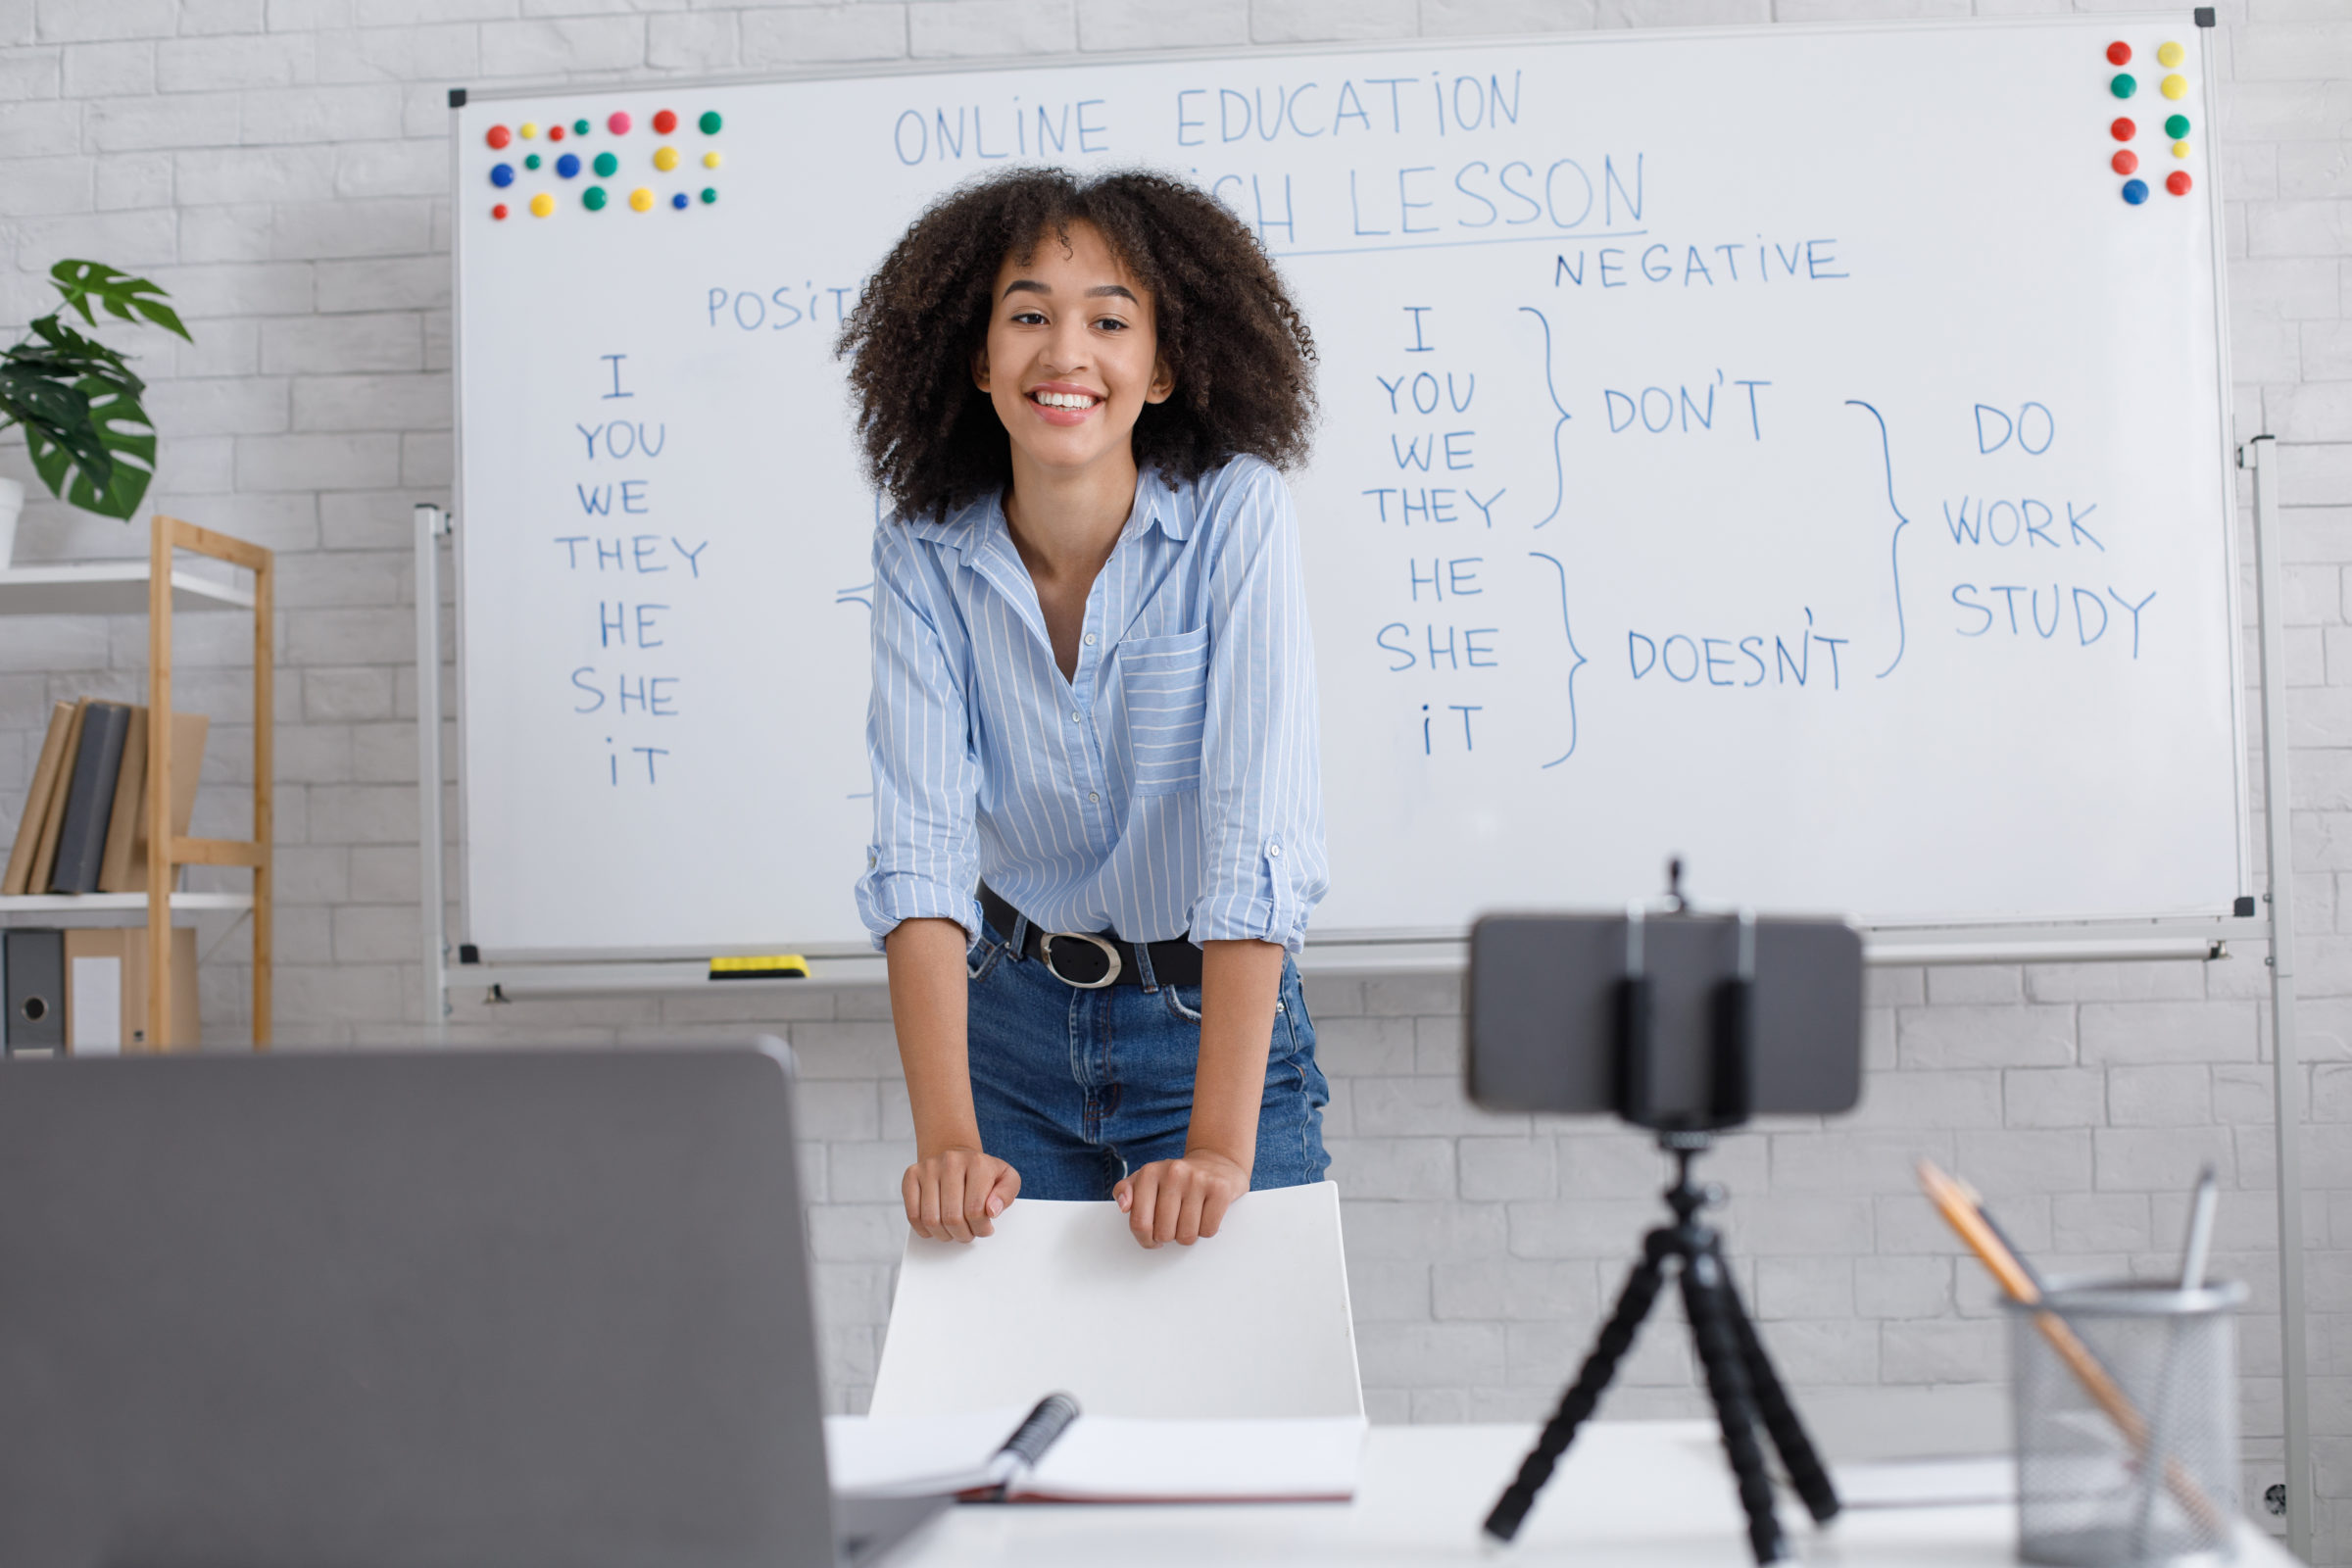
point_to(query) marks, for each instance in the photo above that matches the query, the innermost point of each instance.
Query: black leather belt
(1093, 960)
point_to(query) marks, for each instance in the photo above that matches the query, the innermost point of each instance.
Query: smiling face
(1072, 355)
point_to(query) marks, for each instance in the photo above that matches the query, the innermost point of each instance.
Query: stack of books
(84, 829)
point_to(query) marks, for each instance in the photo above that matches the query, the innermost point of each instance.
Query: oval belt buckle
(1110, 954)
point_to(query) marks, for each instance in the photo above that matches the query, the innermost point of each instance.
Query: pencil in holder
(2126, 1404)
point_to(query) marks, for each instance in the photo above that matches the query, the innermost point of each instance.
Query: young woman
(1094, 700)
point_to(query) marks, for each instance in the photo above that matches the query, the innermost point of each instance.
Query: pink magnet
(618, 122)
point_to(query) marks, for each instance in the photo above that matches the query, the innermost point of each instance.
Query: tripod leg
(1601, 1365)
(1726, 1383)
(1805, 1468)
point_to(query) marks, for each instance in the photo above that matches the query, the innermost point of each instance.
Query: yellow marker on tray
(760, 967)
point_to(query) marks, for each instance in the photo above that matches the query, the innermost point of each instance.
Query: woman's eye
(1111, 324)
(1028, 318)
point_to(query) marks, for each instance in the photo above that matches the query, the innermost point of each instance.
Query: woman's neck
(1066, 522)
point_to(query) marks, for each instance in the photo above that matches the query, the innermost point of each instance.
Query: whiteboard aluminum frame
(2055, 933)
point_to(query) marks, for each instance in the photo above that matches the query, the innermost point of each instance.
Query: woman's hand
(1180, 1200)
(958, 1194)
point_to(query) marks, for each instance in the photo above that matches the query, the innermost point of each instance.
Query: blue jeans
(1075, 1088)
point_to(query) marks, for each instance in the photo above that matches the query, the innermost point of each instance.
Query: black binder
(36, 983)
(91, 801)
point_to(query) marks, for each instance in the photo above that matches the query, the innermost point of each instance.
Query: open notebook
(1099, 1458)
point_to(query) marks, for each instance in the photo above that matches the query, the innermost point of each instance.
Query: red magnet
(2177, 182)
(618, 122)
(554, 133)
(2123, 129)
(665, 121)
(2126, 162)
(499, 211)
(2119, 53)
(499, 136)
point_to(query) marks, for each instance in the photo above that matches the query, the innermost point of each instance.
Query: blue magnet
(2135, 191)
(567, 165)
(502, 174)
(678, 201)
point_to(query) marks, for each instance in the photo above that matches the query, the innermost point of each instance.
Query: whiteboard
(1784, 447)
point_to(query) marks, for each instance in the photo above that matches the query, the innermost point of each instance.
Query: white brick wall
(279, 166)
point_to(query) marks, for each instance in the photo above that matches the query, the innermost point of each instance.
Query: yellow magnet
(641, 198)
(2175, 85)
(710, 159)
(542, 205)
(2180, 149)
(2170, 54)
(529, 129)
(665, 159)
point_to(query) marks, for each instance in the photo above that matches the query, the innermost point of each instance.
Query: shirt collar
(974, 525)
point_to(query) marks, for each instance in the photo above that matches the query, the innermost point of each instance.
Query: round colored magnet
(2175, 85)
(593, 198)
(2126, 162)
(579, 127)
(2119, 53)
(530, 159)
(678, 201)
(499, 136)
(665, 159)
(710, 193)
(2177, 182)
(665, 121)
(2180, 149)
(2175, 125)
(2170, 53)
(641, 200)
(709, 121)
(502, 174)
(2135, 191)
(567, 165)
(711, 160)
(527, 129)
(554, 133)
(617, 122)
(606, 165)
(2123, 129)
(542, 205)
(499, 211)
(2123, 86)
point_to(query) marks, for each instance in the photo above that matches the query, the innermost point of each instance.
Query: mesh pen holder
(2127, 1423)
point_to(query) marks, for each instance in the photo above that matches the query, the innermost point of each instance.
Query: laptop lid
(344, 1309)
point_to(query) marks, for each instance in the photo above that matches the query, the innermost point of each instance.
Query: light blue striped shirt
(1174, 785)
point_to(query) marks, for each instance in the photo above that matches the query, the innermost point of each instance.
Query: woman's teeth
(1065, 400)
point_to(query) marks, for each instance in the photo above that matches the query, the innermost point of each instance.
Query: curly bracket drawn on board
(1581, 661)
(1559, 483)
(1894, 545)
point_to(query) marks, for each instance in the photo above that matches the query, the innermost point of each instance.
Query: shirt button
(1089, 639)
(1092, 796)
(1074, 717)
(1274, 848)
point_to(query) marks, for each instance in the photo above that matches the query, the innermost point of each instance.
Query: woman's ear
(980, 368)
(1163, 382)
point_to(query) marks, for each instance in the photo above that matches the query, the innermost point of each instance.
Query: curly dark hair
(1236, 345)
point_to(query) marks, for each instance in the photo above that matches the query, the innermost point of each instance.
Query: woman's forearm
(927, 1004)
(1239, 982)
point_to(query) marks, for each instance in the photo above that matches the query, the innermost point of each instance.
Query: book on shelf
(19, 878)
(85, 824)
(106, 989)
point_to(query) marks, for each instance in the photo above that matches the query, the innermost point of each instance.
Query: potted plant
(77, 400)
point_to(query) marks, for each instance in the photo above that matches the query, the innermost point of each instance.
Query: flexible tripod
(1739, 1376)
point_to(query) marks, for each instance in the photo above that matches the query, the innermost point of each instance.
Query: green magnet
(2177, 126)
(579, 127)
(2123, 86)
(606, 165)
(709, 121)
(710, 193)
(531, 161)
(593, 198)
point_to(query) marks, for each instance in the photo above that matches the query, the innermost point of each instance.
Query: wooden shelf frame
(166, 855)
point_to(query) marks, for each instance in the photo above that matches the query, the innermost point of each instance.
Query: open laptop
(412, 1310)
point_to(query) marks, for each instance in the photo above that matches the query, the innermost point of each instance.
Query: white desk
(1628, 1494)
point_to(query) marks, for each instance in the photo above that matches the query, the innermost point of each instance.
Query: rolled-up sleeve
(1261, 789)
(924, 859)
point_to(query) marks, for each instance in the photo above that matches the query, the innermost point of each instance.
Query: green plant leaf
(114, 485)
(123, 295)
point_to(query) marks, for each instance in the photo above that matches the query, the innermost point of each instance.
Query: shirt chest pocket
(1164, 681)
